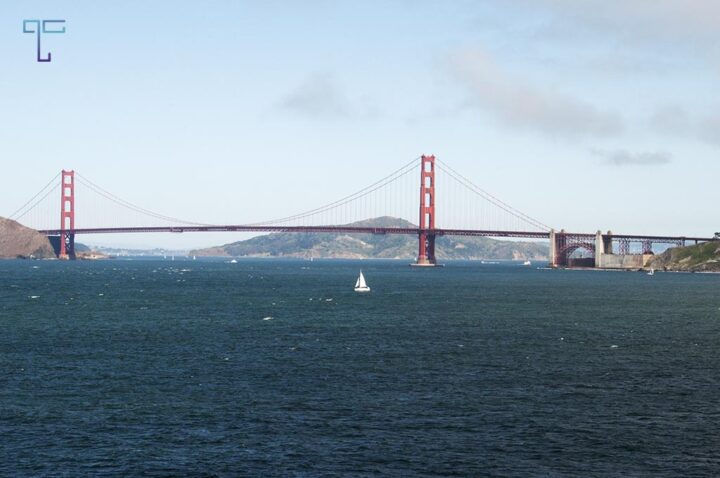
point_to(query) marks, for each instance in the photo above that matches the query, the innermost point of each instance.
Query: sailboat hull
(362, 289)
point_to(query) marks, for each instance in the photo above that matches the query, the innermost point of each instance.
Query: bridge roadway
(363, 230)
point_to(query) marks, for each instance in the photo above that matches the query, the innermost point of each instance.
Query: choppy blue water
(277, 368)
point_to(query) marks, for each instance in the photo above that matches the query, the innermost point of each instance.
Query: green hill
(360, 246)
(703, 257)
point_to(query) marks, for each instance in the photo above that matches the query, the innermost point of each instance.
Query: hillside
(699, 258)
(18, 241)
(361, 246)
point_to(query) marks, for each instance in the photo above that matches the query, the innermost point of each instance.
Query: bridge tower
(426, 236)
(67, 215)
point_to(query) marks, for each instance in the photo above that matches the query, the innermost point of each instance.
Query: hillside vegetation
(361, 246)
(703, 257)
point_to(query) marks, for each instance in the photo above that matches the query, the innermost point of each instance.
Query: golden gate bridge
(465, 210)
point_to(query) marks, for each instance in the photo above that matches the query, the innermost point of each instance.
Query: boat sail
(360, 285)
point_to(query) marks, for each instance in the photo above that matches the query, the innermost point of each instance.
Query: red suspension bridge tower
(67, 215)
(426, 234)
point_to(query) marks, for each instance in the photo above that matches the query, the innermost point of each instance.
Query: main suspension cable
(490, 198)
(397, 174)
(110, 196)
(14, 215)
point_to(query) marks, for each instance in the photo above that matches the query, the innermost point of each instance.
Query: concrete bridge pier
(599, 248)
(603, 246)
(553, 249)
(607, 243)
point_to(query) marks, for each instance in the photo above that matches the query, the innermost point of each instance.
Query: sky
(585, 115)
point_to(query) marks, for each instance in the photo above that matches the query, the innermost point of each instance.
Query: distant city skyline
(586, 115)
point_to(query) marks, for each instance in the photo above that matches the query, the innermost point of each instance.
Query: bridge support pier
(599, 248)
(607, 243)
(67, 246)
(426, 250)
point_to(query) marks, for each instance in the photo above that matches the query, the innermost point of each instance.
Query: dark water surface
(159, 368)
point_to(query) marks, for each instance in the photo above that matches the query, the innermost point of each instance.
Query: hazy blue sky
(585, 114)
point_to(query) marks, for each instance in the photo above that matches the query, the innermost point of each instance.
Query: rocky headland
(18, 241)
(703, 257)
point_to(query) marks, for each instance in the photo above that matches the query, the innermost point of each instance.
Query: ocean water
(277, 368)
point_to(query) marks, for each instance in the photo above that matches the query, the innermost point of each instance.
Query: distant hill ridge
(365, 246)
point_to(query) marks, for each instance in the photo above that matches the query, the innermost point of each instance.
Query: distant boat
(194, 258)
(652, 272)
(234, 261)
(360, 285)
(527, 263)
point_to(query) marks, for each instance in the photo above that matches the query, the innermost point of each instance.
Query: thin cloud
(676, 121)
(709, 130)
(621, 157)
(317, 97)
(636, 20)
(670, 120)
(624, 37)
(520, 104)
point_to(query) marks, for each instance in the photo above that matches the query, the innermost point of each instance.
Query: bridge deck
(362, 230)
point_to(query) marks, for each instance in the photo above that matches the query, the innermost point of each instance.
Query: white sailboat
(527, 263)
(360, 285)
(651, 273)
